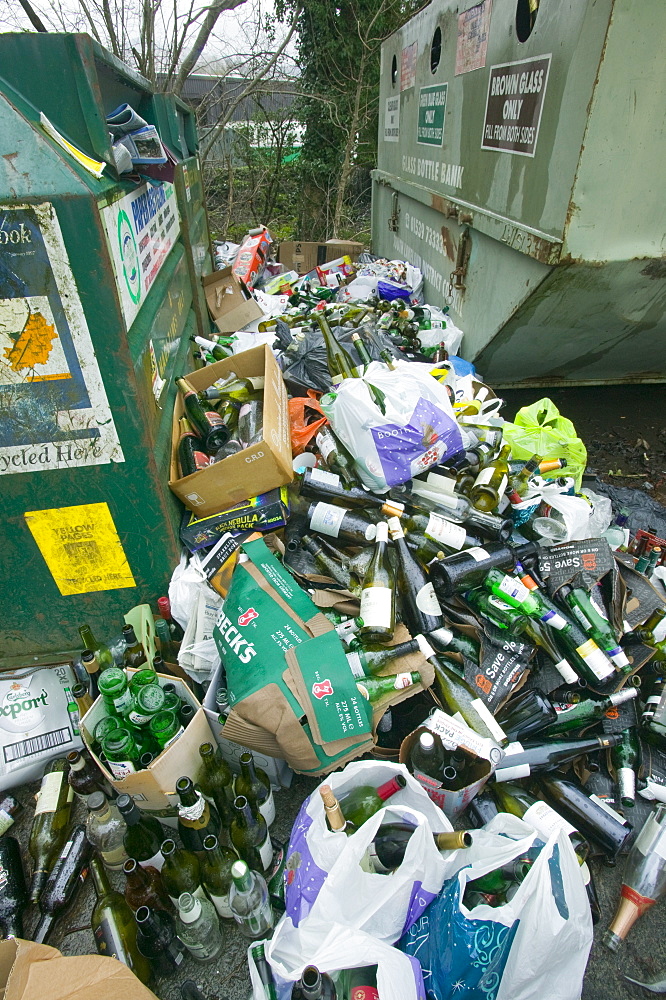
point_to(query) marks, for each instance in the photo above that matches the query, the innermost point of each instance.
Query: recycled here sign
(432, 109)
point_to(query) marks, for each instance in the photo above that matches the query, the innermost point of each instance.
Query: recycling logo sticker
(129, 256)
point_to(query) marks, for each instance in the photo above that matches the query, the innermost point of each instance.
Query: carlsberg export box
(39, 720)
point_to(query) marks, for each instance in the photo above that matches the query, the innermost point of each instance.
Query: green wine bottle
(421, 609)
(457, 696)
(363, 801)
(254, 784)
(368, 662)
(594, 623)
(497, 611)
(216, 864)
(340, 364)
(144, 833)
(491, 482)
(215, 781)
(446, 640)
(336, 456)
(197, 818)
(329, 566)
(585, 713)
(113, 925)
(50, 825)
(337, 522)
(249, 835)
(515, 593)
(181, 871)
(207, 423)
(103, 653)
(543, 818)
(373, 688)
(625, 758)
(378, 591)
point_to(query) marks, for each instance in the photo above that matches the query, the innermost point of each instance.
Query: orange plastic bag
(302, 410)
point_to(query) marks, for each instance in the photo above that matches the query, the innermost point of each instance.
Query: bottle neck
(189, 796)
(147, 921)
(132, 816)
(99, 877)
(389, 788)
(88, 638)
(248, 770)
(244, 814)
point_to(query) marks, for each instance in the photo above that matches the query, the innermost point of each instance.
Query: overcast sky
(238, 32)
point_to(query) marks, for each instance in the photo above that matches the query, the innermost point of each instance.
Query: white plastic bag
(585, 516)
(184, 586)
(535, 947)
(418, 429)
(290, 950)
(325, 881)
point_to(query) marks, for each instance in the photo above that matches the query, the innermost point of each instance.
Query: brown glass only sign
(516, 93)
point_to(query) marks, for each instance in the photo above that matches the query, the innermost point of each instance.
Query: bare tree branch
(33, 16)
(193, 56)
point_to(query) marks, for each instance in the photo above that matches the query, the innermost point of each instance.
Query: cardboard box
(267, 512)
(300, 256)
(278, 770)
(30, 971)
(454, 734)
(230, 305)
(256, 469)
(154, 788)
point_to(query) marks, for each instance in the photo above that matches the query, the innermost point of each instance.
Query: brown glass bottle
(144, 887)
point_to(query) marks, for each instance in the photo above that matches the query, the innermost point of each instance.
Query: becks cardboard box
(230, 305)
(257, 469)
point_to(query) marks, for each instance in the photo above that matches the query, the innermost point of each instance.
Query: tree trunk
(350, 144)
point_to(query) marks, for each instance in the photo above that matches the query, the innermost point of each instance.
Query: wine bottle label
(426, 601)
(608, 809)
(173, 738)
(546, 821)
(484, 477)
(491, 722)
(198, 892)
(326, 446)
(156, 861)
(445, 532)
(266, 852)
(321, 476)
(122, 701)
(401, 681)
(120, 768)
(566, 672)
(354, 661)
(137, 719)
(109, 942)
(5, 821)
(221, 904)
(554, 620)
(49, 792)
(626, 781)
(511, 772)
(267, 808)
(513, 588)
(376, 607)
(214, 419)
(595, 660)
(425, 646)
(652, 838)
(114, 858)
(477, 553)
(364, 993)
(326, 518)
(192, 814)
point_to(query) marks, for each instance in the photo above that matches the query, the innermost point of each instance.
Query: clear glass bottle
(249, 902)
(106, 829)
(644, 879)
(199, 928)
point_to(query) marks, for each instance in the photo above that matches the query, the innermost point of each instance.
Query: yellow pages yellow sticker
(81, 548)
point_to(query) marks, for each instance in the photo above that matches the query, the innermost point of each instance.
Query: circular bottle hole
(394, 70)
(526, 14)
(435, 49)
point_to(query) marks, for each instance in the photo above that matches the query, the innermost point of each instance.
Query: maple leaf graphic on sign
(33, 344)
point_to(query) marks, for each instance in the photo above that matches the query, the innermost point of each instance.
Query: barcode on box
(27, 748)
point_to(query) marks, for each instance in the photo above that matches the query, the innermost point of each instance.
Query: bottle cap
(96, 801)
(427, 741)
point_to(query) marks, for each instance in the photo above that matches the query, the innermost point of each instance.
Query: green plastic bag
(539, 429)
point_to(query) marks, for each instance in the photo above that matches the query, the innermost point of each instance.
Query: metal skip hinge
(459, 272)
(394, 217)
